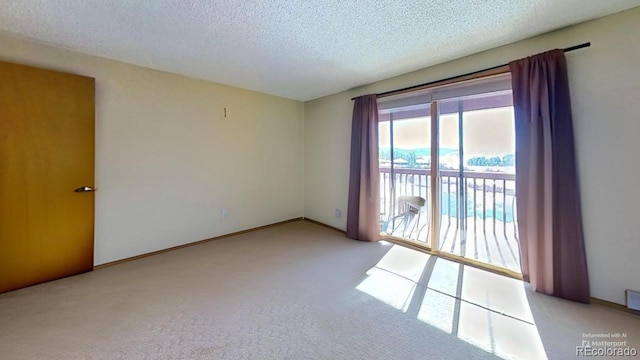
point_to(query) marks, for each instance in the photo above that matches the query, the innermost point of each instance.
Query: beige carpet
(296, 291)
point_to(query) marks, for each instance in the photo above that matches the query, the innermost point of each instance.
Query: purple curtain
(363, 214)
(549, 217)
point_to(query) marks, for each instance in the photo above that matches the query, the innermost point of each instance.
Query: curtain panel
(363, 214)
(549, 212)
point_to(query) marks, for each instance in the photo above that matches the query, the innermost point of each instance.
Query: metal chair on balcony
(409, 210)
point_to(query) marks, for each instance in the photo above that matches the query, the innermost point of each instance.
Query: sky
(488, 132)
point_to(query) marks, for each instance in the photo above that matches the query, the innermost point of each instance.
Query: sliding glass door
(468, 210)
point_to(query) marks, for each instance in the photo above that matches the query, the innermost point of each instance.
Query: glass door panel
(404, 160)
(477, 179)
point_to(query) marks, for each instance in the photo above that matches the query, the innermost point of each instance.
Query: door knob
(85, 189)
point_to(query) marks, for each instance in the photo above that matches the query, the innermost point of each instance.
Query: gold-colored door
(46, 152)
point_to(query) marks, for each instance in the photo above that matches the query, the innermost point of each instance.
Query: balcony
(484, 230)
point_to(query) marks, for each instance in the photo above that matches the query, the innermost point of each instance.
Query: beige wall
(605, 85)
(168, 162)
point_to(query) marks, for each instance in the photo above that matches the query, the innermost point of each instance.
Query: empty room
(319, 179)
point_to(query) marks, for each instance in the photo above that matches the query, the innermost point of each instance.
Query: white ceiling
(299, 49)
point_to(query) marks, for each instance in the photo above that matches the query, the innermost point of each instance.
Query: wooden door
(46, 151)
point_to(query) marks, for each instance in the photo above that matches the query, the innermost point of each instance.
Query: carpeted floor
(296, 291)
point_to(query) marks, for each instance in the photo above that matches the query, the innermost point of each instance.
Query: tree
(505, 160)
(508, 160)
(494, 161)
(411, 158)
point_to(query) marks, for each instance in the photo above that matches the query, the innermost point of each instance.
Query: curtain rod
(414, 87)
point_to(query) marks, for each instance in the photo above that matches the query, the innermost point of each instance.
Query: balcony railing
(484, 229)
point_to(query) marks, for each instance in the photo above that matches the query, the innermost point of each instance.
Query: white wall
(605, 85)
(168, 162)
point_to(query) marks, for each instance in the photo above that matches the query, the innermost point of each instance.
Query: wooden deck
(484, 230)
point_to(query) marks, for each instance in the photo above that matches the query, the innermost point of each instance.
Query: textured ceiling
(299, 49)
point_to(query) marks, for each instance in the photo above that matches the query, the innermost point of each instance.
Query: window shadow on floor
(486, 310)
